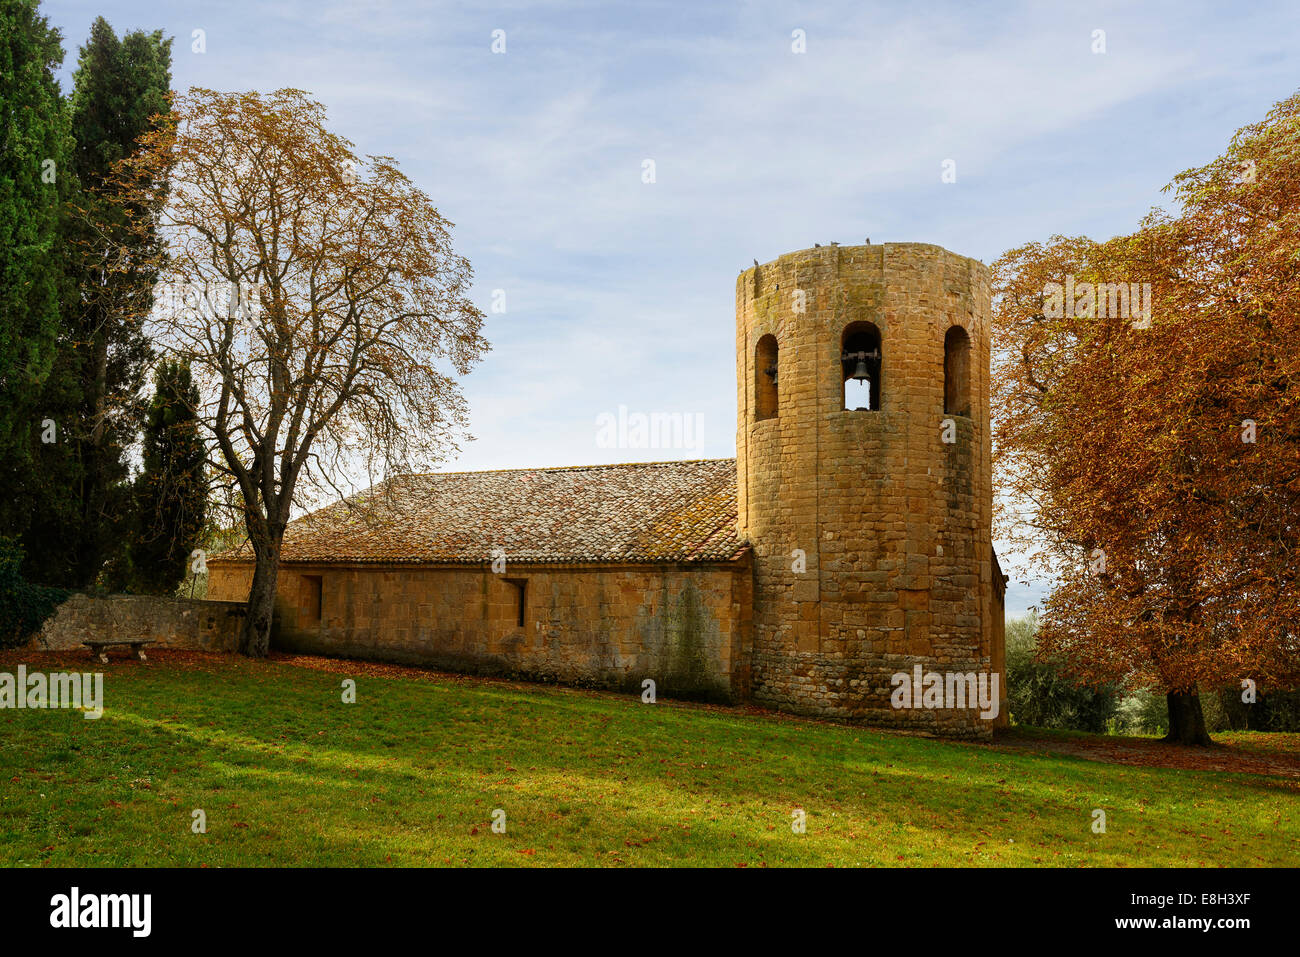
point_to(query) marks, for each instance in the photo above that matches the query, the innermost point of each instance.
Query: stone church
(847, 543)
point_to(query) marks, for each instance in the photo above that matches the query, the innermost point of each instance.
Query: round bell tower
(864, 480)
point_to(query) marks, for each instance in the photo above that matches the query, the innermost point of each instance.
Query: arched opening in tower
(956, 372)
(765, 373)
(860, 365)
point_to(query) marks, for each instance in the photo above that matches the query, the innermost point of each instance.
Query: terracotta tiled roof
(647, 512)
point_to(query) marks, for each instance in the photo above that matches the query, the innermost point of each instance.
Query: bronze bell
(861, 372)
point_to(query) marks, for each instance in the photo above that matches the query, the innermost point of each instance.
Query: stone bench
(137, 647)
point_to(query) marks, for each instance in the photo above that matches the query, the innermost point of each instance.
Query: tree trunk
(255, 639)
(1186, 721)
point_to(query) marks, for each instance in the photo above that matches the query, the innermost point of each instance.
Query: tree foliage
(171, 492)
(71, 497)
(1042, 693)
(1151, 462)
(33, 170)
(317, 299)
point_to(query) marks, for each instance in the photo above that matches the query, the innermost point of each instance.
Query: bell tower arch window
(956, 372)
(766, 400)
(860, 366)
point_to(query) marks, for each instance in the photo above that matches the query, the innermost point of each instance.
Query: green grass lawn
(411, 774)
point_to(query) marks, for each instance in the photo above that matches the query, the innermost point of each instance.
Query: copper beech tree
(1147, 440)
(318, 301)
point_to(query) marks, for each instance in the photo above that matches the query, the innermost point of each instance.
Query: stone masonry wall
(894, 524)
(684, 626)
(190, 624)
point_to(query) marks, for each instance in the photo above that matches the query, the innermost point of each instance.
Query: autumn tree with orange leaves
(315, 295)
(1148, 449)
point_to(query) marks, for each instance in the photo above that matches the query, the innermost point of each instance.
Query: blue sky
(621, 293)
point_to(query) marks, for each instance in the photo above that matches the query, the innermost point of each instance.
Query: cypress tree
(80, 517)
(34, 176)
(171, 492)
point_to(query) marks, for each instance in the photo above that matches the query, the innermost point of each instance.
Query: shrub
(1281, 710)
(1274, 710)
(24, 607)
(1146, 713)
(1141, 712)
(1042, 694)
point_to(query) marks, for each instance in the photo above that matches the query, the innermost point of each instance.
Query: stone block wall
(189, 624)
(684, 626)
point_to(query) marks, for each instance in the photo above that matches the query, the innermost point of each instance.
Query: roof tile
(644, 512)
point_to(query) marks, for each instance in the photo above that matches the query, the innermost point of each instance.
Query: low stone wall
(608, 626)
(186, 623)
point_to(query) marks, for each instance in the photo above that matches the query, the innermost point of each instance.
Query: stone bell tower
(864, 479)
